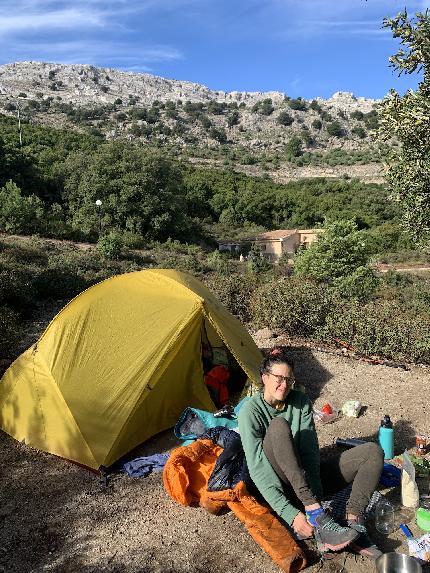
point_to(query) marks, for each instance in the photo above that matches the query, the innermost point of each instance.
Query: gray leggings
(361, 466)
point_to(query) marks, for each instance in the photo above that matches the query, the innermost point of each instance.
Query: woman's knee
(373, 453)
(279, 427)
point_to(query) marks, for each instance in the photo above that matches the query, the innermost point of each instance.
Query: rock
(265, 333)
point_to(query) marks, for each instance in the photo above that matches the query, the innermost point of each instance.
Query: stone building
(273, 244)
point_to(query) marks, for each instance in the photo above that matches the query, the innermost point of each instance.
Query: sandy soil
(58, 517)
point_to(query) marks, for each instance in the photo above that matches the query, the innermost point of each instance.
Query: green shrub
(264, 107)
(248, 159)
(59, 283)
(235, 291)
(16, 287)
(10, 332)
(315, 106)
(111, 245)
(257, 262)
(218, 134)
(371, 119)
(19, 214)
(293, 148)
(325, 116)
(382, 328)
(284, 118)
(335, 129)
(298, 104)
(233, 118)
(337, 253)
(298, 307)
(361, 284)
(189, 263)
(219, 262)
(359, 131)
(307, 137)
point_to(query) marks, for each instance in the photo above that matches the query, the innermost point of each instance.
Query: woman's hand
(302, 526)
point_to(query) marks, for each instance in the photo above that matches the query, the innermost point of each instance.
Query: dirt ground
(58, 517)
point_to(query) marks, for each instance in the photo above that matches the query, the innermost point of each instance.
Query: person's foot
(363, 544)
(329, 535)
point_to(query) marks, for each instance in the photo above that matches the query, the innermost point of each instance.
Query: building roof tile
(273, 235)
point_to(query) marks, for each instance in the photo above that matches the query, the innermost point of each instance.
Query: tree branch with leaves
(407, 118)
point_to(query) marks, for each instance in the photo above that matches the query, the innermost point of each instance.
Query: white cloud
(92, 31)
(58, 20)
(101, 53)
(314, 18)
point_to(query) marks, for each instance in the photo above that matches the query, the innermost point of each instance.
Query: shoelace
(331, 525)
(357, 526)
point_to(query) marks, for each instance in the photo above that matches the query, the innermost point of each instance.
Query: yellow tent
(117, 365)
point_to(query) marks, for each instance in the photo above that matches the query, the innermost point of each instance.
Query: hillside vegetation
(51, 183)
(268, 132)
(156, 181)
(385, 315)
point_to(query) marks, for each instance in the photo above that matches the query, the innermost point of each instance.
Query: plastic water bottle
(384, 516)
(386, 437)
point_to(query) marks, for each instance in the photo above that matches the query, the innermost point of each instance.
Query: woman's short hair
(277, 355)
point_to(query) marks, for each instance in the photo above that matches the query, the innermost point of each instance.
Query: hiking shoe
(331, 535)
(363, 544)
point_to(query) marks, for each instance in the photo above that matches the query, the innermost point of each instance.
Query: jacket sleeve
(309, 450)
(252, 432)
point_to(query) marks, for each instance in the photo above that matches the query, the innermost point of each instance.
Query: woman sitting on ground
(282, 453)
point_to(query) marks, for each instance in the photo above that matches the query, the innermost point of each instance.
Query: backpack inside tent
(118, 365)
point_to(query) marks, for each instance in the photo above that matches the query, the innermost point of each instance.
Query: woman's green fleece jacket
(254, 418)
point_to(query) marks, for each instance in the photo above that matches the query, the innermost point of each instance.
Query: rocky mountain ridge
(84, 84)
(262, 133)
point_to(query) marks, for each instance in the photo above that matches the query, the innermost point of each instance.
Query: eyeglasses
(289, 380)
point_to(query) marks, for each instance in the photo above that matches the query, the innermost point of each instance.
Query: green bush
(298, 307)
(10, 332)
(335, 129)
(218, 134)
(264, 107)
(111, 246)
(257, 262)
(233, 118)
(337, 253)
(235, 291)
(307, 137)
(189, 263)
(361, 284)
(371, 119)
(359, 131)
(19, 214)
(248, 159)
(59, 283)
(315, 106)
(219, 262)
(382, 328)
(16, 287)
(293, 148)
(284, 118)
(133, 240)
(298, 104)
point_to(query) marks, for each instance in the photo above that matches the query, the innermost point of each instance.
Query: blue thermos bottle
(386, 437)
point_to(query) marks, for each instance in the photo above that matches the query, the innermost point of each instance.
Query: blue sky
(305, 48)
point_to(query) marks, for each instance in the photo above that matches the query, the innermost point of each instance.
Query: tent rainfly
(118, 365)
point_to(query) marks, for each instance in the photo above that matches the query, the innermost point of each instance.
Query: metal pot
(397, 563)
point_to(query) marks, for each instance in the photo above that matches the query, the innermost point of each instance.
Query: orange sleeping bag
(185, 478)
